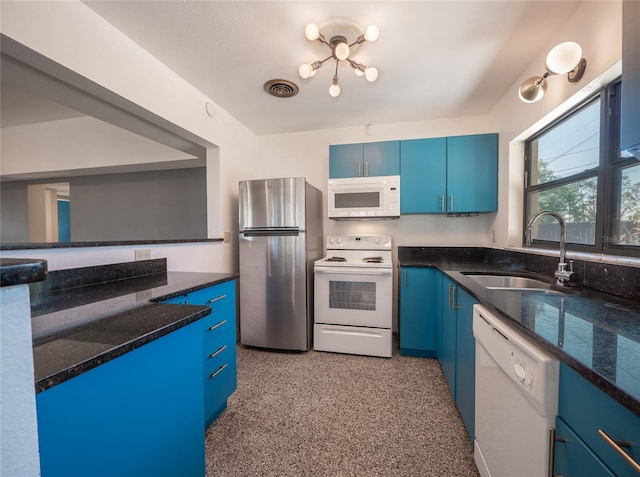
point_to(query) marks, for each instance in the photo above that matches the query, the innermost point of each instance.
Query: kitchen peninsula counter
(603, 343)
(80, 322)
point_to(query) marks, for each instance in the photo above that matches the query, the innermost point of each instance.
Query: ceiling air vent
(281, 88)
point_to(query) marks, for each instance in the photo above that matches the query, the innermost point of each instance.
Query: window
(574, 167)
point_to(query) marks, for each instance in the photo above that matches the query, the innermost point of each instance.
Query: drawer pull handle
(220, 369)
(217, 325)
(220, 350)
(218, 298)
(617, 446)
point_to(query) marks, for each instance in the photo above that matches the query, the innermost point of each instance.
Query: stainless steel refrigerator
(280, 238)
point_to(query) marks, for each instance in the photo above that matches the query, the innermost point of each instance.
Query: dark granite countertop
(20, 271)
(78, 328)
(595, 333)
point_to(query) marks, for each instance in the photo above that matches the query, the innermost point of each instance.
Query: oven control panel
(359, 242)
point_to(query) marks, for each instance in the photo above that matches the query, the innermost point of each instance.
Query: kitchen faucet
(562, 275)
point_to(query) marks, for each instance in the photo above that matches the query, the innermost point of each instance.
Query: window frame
(610, 161)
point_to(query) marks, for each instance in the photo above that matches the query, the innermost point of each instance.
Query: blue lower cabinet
(593, 416)
(219, 346)
(572, 458)
(137, 415)
(458, 350)
(417, 311)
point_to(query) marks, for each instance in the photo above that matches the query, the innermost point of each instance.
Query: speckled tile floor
(326, 414)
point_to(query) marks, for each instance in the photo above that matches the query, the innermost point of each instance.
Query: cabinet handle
(451, 203)
(450, 301)
(218, 371)
(217, 325)
(442, 203)
(618, 447)
(218, 298)
(359, 169)
(366, 169)
(405, 278)
(220, 350)
(552, 451)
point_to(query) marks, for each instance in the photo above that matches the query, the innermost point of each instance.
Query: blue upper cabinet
(630, 114)
(363, 160)
(345, 160)
(423, 181)
(472, 173)
(449, 175)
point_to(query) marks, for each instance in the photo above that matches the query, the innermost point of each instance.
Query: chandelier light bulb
(313, 73)
(371, 74)
(372, 33)
(564, 57)
(358, 72)
(334, 90)
(312, 32)
(341, 51)
(305, 71)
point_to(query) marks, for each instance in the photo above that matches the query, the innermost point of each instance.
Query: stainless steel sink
(507, 282)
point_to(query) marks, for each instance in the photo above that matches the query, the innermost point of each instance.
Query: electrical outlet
(144, 295)
(143, 254)
(227, 237)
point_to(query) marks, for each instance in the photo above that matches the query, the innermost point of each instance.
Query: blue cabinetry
(423, 176)
(630, 103)
(138, 414)
(364, 160)
(218, 344)
(458, 349)
(417, 320)
(449, 175)
(588, 416)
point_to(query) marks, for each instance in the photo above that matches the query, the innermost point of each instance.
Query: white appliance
(516, 400)
(364, 197)
(353, 296)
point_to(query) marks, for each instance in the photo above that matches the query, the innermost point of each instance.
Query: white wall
(77, 143)
(74, 36)
(597, 27)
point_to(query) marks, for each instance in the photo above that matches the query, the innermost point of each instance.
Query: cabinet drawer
(218, 323)
(219, 384)
(586, 409)
(218, 352)
(216, 297)
(572, 458)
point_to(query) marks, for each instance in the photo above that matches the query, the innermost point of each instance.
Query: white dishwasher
(516, 400)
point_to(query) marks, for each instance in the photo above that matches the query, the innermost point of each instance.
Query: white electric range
(353, 296)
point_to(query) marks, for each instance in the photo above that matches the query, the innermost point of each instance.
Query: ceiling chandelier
(344, 39)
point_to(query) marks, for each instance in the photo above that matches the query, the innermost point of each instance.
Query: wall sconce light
(565, 58)
(341, 39)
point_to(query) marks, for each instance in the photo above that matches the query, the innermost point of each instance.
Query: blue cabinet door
(472, 173)
(423, 176)
(572, 458)
(465, 361)
(138, 414)
(382, 158)
(417, 311)
(630, 103)
(346, 160)
(449, 333)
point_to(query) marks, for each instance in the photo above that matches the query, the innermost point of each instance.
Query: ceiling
(437, 59)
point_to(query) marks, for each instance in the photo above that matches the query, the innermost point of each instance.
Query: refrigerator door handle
(265, 232)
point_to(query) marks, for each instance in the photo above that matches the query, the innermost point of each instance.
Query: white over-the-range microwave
(364, 198)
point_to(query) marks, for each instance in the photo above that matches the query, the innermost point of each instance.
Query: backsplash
(613, 279)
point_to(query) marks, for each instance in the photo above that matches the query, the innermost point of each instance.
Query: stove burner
(335, 259)
(372, 260)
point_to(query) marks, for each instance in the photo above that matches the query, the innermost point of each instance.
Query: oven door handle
(353, 271)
